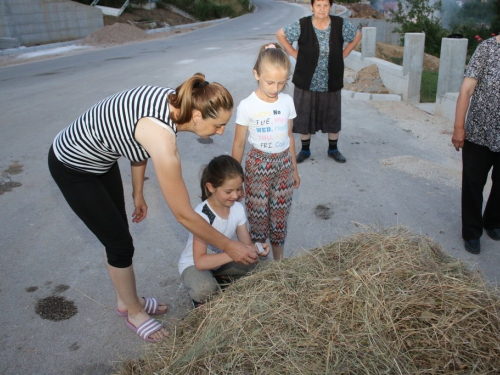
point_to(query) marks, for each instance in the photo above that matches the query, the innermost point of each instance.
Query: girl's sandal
(146, 329)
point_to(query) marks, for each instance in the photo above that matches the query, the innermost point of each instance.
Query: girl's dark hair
(330, 1)
(220, 169)
(196, 93)
(275, 55)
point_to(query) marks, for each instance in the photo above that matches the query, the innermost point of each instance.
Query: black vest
(308, 55)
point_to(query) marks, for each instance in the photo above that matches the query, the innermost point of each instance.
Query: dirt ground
(363, 11)
(148, 19)
(368, 79)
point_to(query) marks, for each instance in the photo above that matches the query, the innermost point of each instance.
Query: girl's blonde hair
(275, 55)
(197, 94)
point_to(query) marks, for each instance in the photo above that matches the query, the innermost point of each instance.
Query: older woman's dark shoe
(302, 155)
(472, 246)
(337, 156)
(494, 234)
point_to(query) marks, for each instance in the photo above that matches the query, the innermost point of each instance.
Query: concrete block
(362, 96)
(392, 76)
(451, 66)
(386, 98)
(368, 42)
(346, 94)
(446, 108)
(413, 63)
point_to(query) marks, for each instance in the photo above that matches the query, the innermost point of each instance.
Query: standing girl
(221, 187)
(270, 166)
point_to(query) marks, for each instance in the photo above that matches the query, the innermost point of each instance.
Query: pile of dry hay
(386, 302)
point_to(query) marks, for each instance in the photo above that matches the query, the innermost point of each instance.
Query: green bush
(207, 10)
(419, 16)
(470, 31)
(428, 88)
(212, 9)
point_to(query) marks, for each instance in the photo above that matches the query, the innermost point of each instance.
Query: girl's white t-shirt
(267, 122)
(227, 227)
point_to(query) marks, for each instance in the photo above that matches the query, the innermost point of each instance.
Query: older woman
(139, 124)
(477, 132)
(319, 73)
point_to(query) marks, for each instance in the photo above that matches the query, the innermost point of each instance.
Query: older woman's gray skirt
(316, 111)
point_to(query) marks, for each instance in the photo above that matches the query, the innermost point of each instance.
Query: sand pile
(377, 302)
(115, 34)
(364, 11)
(366, 80)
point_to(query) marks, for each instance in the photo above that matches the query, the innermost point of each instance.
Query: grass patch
(396, 60)
(428, 87)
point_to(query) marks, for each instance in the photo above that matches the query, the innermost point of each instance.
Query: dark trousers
(99, 202)
(477, 161)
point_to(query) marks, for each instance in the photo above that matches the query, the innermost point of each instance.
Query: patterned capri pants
(268, 194)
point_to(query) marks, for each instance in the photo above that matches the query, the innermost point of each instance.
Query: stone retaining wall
(34, 22)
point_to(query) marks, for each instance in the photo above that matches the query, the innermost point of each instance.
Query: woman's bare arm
(161, 146)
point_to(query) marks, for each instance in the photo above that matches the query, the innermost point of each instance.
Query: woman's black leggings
(99, 202)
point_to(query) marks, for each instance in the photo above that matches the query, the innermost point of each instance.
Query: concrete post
(413, 63)
(451, 66)
(368, 42)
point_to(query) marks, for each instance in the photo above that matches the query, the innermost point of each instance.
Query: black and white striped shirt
(105, 132)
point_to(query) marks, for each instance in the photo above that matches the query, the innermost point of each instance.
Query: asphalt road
(46, 252)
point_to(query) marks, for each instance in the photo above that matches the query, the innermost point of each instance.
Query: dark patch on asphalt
(6, 182)
(31, 289)
(55, 308)
(15, 168)
(46, 74)
(205, 141)
(323, 211)
(60, 288)
(47, 283)
(119, 58)
(74, 347)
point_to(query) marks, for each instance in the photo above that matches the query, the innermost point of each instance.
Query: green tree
(419, 16)
(477, 23)
(476, 12)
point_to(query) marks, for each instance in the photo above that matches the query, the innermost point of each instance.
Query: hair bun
(200, 85)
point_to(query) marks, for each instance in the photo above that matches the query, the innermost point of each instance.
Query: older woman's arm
(350, 46)
(466, 91)
(280, 35)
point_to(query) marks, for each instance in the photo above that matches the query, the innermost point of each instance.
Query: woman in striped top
(138, 124)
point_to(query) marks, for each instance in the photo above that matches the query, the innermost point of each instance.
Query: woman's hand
(458, 138)
(266, 248)
(141, 209)
(241, 253)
